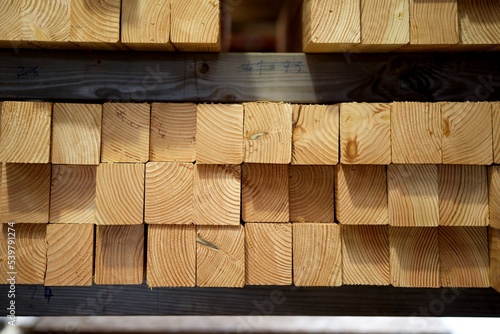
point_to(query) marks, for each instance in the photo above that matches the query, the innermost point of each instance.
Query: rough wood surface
(479, 22)
(365, 133)
(416, 133)
(76, 134)
(315, 134)
(119, 196)
(72, 194)
(494, 195)
(494, 243)
(125, 132)
(317, 258)
(10, 29)
(264, 191)
(414, 256)
(361, 195)
(463, 257)
(25, 132)
(268, 254)
(169, 193)
(365, 255)
(220, 256)
(433, 22)
(217, 194)
(173, 131)
(119, 255)
(219, 134)
(463, 195)
(495, 119)
(70, 255)
(311, 194)
(467, 133)
(171, 255)
(25, 193)
(268, 132)
(44, 21)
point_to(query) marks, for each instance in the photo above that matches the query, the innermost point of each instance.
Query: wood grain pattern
(169, 193)
(119, 196)
(95, 22)
(416, 133)
(467, 133)
(495, 119)
(268, 132)
(76, 134)
(125, 132)
(195, 25)
(10, 29)
(494, 195)
(433, 23)
(30, 253)
(173, 131)
(70, 255)
(220, 256)
(25, 193)
(217, 194)
(219, 134)
(25, 132)
(361, 195)
(72, 194)
(413, 195)
(463, 257)
(268, 254)
(315, 134)
(365, 255)
(463, 195)
(365, 133)
(171, 256)
(414, 256)
(479, 22)
(311, 194)
(45, 21)
(331, 25)
(145, 24)
(494, 243)
(119, 255)
(317, 258)
(264, 192)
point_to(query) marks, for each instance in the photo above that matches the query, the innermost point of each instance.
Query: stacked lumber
(227, 195)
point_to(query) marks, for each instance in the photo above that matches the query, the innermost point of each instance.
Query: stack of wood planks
(227, 195)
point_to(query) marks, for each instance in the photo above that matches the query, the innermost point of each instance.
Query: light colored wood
(494, 242)
(463, 257)
(220, 256)
(463, 195)
(479, 22)
(70, 255)
(95, 22)
(413, 195)
(25, 193)
(416, 133)
(119, 255)
(125, 132)
(173, 131)
(495, 115)
(25, 132)
(145, 24)
(219, 134)
(30, 253)
(76, 134)
(414, 257)
(169, 193)
(467, 133)
(217, 194)
(264, 190)
(361, 195)
(331, 25)
(311, 194)
(268, 132)
(171, 256)
(317, 258)
(365, 255)
(365, 133)
(119, 194)
(195, 25)
(315, 135)
(268, 253)
(10, 29)
(494, 195)
(433, 22)
(45, 21)
(72, 194)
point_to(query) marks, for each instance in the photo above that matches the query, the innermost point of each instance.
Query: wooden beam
(72, 194)
(361, 195)
(70, 255)
(479, 23)
(494, 195)
(10, 29)
(494, 243)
